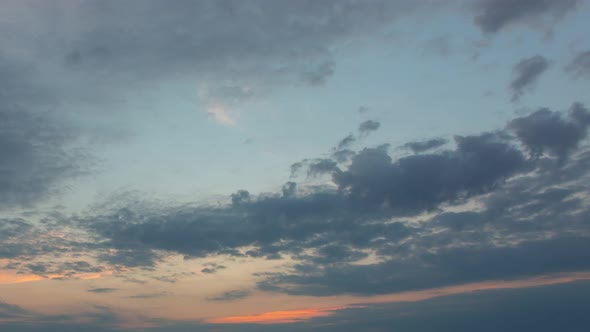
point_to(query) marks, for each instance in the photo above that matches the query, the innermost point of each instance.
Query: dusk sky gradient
(294, 165)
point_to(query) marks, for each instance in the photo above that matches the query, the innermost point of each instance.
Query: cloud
(546, 130)
(526, 73)
(491, 310)
(452, 266)
(440, 46)
(346, 142)
(579, 66)
(321, 166)
(8, 310)
(102, 290)
(37, 148)
(149, 295)
(422, 146)
(130, 256)
(277, 317)
(368, 126)
(237, 48)
(212, 268)
(422, 182)
(385, 224)
(231, 296)
(495, 15)
(219, 114)
(319, 74)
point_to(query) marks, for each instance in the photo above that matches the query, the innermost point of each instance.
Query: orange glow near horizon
(14, 278)
(279, 317)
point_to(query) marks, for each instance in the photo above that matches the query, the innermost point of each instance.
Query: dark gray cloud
(526, 73)
(422, 182)
(495, 15)
(231, 296)
(422, 146)
(368, 126)
(579, 66)
(549, 131)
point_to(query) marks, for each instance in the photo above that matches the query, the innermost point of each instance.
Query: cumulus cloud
(526, 74)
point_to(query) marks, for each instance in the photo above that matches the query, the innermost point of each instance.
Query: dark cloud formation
(422, 146)
(548, 131)
(495, 15)
(579, 66)
(231, 296)
(422, 182)
(526, 73)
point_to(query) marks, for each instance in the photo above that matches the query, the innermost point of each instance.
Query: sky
(282, 165)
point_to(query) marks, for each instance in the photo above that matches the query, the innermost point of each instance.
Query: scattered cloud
(231, 296)
(579, 66)
(526, 74)
(366, 127)
(495, 15)
(218, 113)
(102, 290)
